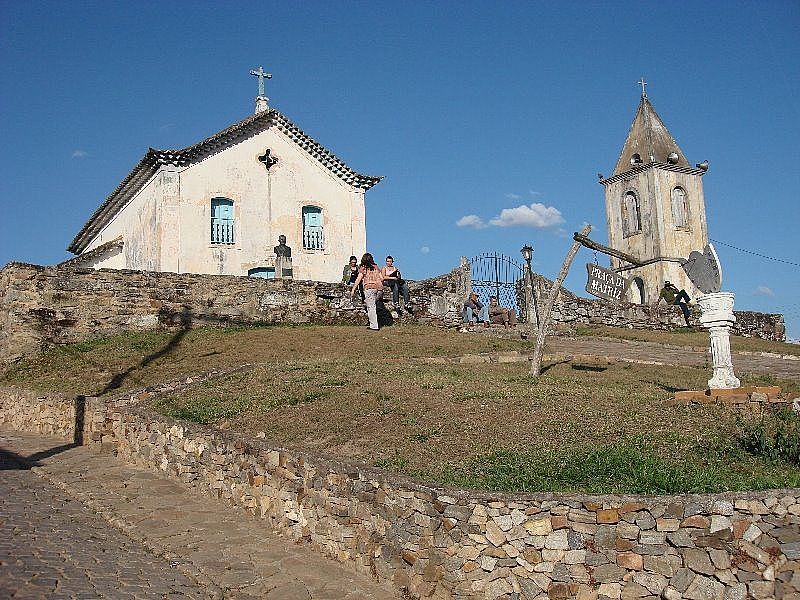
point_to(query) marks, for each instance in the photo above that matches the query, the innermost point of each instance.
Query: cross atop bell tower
(262, 102)
(643, 83)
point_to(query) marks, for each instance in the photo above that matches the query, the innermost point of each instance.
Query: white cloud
(532, 193)
(763, 290)
(78, 153)
(512, 196)
(473, 221)
(536, 215)
(425, 250)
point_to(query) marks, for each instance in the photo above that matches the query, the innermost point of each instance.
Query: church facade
(218, 207)
(654, 207)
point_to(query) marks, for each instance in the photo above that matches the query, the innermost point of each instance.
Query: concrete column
(717, 316)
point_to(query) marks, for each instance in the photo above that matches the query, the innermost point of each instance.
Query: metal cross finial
(261, 77)
(643, 83)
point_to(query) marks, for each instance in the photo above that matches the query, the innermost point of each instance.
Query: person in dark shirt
(671, 295)
(350, 274)
(474, 310)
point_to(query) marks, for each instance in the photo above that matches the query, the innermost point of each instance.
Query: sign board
(704, 270)
(606, 284)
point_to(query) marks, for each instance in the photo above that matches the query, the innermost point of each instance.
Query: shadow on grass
(592, 368)
(546, 368)
(185, 319)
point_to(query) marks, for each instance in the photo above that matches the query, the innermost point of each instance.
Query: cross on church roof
(262, 75)
(643, 83)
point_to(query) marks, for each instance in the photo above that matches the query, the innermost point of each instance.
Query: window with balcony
(313, 232)
(222, 221)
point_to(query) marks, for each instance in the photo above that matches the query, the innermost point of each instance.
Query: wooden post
(544, 320)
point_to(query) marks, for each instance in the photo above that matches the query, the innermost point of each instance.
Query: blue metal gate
(498, 275)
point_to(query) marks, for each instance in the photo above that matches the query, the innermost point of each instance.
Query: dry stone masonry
(449, 543)
(45, 306)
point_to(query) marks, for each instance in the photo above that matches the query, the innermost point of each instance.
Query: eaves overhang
(633, 171)
(149, 165)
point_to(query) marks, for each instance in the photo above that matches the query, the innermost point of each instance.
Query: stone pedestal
(717, 316)
(283, 267)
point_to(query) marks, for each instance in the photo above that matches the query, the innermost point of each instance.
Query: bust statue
(282, 249)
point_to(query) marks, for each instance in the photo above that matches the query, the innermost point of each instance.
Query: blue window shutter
(312, 216)
(222, 229)
(313, 235)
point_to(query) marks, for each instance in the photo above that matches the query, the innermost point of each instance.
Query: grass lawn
(371, 398)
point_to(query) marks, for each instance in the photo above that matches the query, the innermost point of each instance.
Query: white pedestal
(717, 316)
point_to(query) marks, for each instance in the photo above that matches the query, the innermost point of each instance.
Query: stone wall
(47, 413)
(450, 543)
(570, 309)
(44, 306)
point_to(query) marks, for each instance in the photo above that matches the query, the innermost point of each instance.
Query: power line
(788, 262)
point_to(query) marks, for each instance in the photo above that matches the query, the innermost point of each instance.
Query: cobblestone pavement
(166, 542)
(52, 547)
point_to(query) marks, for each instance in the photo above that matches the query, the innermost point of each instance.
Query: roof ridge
(154, 158)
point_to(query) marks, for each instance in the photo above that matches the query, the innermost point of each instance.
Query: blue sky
(466, 108)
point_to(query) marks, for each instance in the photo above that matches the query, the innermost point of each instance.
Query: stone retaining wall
(50, 413)
(570, 309)
(44, 306)
(449, 543)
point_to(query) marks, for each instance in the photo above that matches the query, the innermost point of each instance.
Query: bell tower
(654, 205)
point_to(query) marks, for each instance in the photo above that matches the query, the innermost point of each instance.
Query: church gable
(220, 142)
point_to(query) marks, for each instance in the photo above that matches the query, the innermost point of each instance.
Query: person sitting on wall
(392, 278)
(500, 315)
(671, 295)
(350, 274)
(475, 311)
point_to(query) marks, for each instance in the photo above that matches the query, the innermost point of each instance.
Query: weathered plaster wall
(659, 236)
(140, 228)
(166, 226)
(449, 543)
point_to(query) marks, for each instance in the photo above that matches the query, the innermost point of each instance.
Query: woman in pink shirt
(372, 277)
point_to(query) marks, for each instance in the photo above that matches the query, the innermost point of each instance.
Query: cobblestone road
(52, 547)
(165, 541)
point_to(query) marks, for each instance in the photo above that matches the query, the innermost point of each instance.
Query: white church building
(218, 207)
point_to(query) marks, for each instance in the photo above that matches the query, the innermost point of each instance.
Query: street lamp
(530, 302)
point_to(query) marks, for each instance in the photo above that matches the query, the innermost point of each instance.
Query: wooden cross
(643, 83)
(261, 77)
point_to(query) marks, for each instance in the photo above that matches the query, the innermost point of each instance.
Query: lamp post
(531, 316)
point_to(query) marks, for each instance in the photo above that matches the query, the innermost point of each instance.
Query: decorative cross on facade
(261, 77)
(267, 159)
(643, 83)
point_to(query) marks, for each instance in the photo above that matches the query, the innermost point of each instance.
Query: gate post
(465, 281)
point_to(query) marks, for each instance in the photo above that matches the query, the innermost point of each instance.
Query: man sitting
(671, 295)
(500, 315)
(475, 311)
